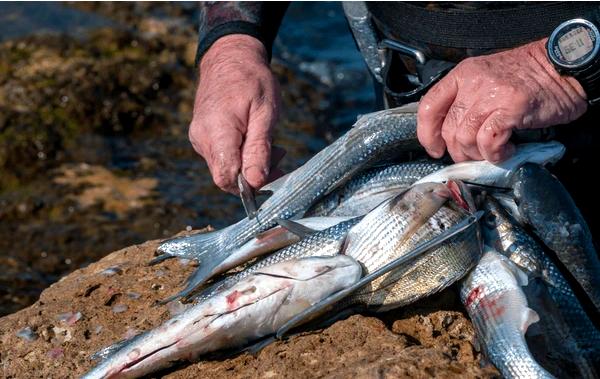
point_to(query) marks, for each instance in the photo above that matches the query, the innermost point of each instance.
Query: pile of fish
(354, 230)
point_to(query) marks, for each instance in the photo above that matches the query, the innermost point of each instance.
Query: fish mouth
(461, 195)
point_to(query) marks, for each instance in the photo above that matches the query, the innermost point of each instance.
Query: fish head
(425, 198)
(496, 222)
(541, 153)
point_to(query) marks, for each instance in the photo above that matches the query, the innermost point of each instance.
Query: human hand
(474, 109)
(235, 110)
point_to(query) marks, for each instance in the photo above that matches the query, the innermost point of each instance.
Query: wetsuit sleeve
(257, 19)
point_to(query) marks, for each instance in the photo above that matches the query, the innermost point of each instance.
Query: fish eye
(490, 219)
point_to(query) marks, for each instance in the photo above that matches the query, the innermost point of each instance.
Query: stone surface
(75, 317)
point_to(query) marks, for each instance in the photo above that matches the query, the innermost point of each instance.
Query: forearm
(260, 20)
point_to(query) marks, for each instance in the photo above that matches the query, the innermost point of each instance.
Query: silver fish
(550, 210)
(387, 232)
(496, 304)
(253, 308)
(266, 242)
(323, 243)
(507, 237)
(395, 228)
(367, 190)
(373, 137)
(486, 173)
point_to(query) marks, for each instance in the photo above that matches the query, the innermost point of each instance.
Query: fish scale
(426, 274)
(498, 307)
(323, 243)
(383, 235)
(554, 217)
(370, 188)
(517, 245)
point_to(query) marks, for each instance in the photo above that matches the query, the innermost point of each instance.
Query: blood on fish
(232, 297)
(457, 195)
(271, 233)
(474, 294)
(492, 306)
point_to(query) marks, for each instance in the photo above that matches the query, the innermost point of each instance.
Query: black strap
(477, 29)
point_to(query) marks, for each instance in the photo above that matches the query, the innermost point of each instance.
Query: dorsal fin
(528, 317)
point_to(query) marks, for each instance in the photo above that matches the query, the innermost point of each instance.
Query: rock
(422, 340)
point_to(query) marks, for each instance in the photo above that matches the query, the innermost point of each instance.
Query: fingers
(219, 144)
(466, 132)
(493, 137)
(432, 111)
(452, 123)
(256, 151)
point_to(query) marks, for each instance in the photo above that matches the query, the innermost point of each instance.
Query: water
(107, 170)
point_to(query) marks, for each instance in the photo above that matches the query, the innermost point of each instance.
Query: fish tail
(198, 246)
(209, 265)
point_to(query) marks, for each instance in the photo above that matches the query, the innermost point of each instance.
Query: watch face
(574, 44)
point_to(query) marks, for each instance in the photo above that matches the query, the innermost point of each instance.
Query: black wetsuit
(450, 31)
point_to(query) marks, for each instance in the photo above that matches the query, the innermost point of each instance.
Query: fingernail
(435, 153)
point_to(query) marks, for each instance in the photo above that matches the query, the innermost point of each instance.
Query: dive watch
(573, 48)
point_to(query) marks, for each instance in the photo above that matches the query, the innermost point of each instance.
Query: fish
(554, 217)
(395, 228)
(372, 187)
(504, 234)
(498, 308)
(373, 137)
(550, 339)
(266, 242)
(253, 308)
(327, 242)
(499, 174)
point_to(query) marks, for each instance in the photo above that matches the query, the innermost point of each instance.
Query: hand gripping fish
(253, 308)
(496, 304)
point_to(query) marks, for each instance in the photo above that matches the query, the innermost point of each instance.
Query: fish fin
(160, 258)
(275, 185)
(194, 246)
(202, 273)
(529, 317)
(520, 276)
(295, 227)
(247, 197)
(257, 347)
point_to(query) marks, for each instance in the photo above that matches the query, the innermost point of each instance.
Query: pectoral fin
(294, 227)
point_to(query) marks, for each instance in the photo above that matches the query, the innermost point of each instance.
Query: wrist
(539, 52)
(234, 48)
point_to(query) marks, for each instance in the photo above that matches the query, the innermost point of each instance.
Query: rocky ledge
(117, 297)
